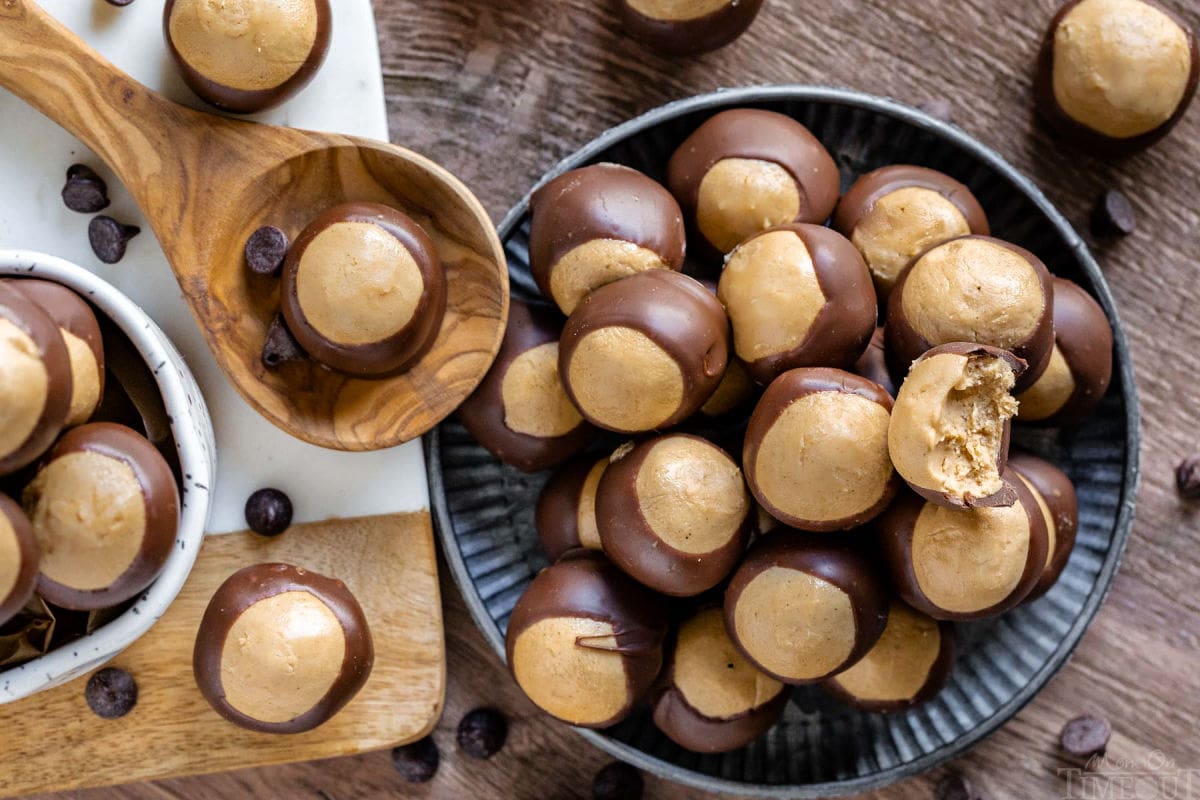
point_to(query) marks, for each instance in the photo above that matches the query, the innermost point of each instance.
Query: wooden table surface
(499, 90)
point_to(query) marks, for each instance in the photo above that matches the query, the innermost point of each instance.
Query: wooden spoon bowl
(205, 183)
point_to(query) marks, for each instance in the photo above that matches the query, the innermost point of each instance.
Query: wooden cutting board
(52, 741)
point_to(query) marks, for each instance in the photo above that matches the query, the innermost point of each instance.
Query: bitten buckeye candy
(965, 563)
(645, 352)
(18, 559)
(363, 290)
(35, 380)
(895, 213)
(802, 608)
(105, 508)
(81, 333)
(521, 412)
(687, 28)
(747, 170)
(250, 55)
(973, 289)
(798, 296)
(710, 699)
(585, 642)
(816, 451)
(281, 649)
(566, 509)
(1059, 506)
(1080, 367)
(674, 514)
(1116, 75)
(598, 224)
(950, 427)
(907, 666)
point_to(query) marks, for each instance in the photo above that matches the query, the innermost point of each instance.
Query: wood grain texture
(387, 562)
(206, 183)
(499, 90)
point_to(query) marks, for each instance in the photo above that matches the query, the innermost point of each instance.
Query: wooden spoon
(205, 183)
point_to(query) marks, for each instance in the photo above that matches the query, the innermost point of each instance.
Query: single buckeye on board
(688, 28)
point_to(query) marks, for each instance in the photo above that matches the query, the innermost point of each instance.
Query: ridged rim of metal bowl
(725, 98)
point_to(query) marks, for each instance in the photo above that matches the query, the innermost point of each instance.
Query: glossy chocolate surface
(557, 515)
(1058, 492)
(872, 364)
(873, 186)
(689, 37)
(27, 561)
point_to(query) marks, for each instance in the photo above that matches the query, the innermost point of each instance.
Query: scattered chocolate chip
(266, 249)
(109, 238)
(939, 108)
(482, 732)
(417, 762)
(84, 191)
(1085, 737)
(269, 512)
(617, 781)
(1113, 215)
(953, 787)
(111, 693)
(280, 346)
(1187, 477)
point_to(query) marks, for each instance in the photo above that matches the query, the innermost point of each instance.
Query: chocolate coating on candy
(248, 56)
(1080, 367)
(281, 649)
(963, 564)
(688, 28)
(521, 412)
(872, 364)
(1115, 76)
(674, 514)
(895, 213)
(363, 290)
(1060, 505)
(746, 170)
(816, 451)
(645, 352)
(18, 559)
(803, 608)
(566, 509)
(595, 225)
(35, 380)
(105, 509)
(710, 699)
(585, 642)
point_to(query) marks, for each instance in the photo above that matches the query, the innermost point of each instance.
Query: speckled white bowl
(193, 433)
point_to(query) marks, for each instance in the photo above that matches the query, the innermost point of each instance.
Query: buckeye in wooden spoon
(690, 28)
(281, 649)
(566, 509)
(18, 559)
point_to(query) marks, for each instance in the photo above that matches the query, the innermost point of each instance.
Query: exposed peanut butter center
(623, 380)
(357, 284)
(85, 379)
(795, 624)
(581, 685)
(948, 424)
(712, 674)
(1050, 392)
(282, 656)
(679, 10)
(1121, 67)
(10, 558)
(825, 457)
(535, 402)
(1047, 515)
(739, 197)
(973, 290)
(901, 225)
(249, 45)
(691, 494)
(898, 666)
(769, 288)
(969, 560)
(734, 388)
(89, 518)
(597, 263)
(585, 523)
(24, 383)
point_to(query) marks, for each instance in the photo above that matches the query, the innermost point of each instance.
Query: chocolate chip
(482, 732)
(269, 512)
(417, 762)
(617, 781)
(953, 787)
(280, 346)
(1187, 477)
(1085, 737)
(266, 249)
(1113, 215)
(109, 238)
(84, 191)
(939, 108)
(111, 693)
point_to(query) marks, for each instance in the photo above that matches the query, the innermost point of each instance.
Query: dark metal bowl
(484, 510)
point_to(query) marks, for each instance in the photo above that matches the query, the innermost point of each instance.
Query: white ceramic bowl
(193, 434)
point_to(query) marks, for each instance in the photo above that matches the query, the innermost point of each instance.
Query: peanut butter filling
(589, 533)
(535, 402)
(901, 225)
(282, 656)
(10, 558)
(24, 383)
(679, 10)
(691, 494)
(712, 674)
(580, 685)
(623, 380)
(739, 197)
(597, 263)
(249, 45)
(85, 379)
(1051, 391)
(898, 666)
